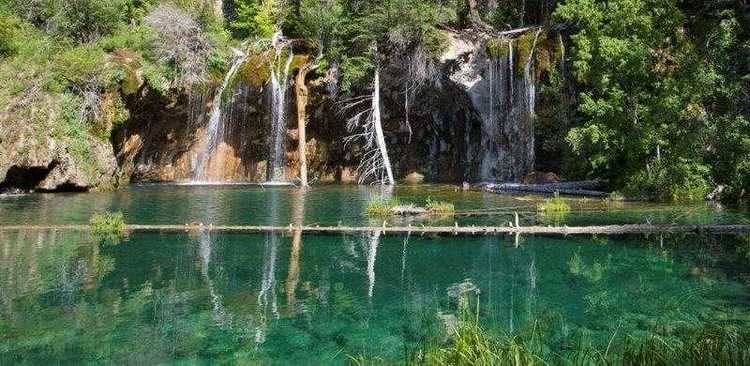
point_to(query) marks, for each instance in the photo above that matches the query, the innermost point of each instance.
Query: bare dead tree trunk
(219, 9)
(380, 136)
(303, 95)
(375, 163)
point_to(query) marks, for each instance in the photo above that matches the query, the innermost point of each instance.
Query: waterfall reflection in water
(156, 297)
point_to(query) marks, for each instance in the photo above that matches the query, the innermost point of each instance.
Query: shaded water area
(297, 299)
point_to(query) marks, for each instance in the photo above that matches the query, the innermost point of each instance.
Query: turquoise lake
(201, 296)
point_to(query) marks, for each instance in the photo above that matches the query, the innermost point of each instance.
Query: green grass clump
(440, 207)
(380, 207)
(554, 205)
(473, 345)
(108, 225)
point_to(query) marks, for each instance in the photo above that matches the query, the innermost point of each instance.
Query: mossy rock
(129, 63)
(545, 55)
(257, 69)
(497, 48)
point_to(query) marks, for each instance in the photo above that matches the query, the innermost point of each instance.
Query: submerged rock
(463, 288)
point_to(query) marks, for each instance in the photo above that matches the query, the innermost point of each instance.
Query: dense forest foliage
(661, 88)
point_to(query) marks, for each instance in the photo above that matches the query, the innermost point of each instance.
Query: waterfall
(279, 86)
(506, 105)
(511, 67)
(215, 127)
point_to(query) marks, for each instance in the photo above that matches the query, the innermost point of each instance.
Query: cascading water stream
(506, 105)
(215, 127)
(279, 86)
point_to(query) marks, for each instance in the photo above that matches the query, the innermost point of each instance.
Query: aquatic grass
(613, 200)
(380, 207)
(554, 205)
(711, 345)
(383, 208)
(108, 225)
(439, 207)
(554, 210)
(473, 345)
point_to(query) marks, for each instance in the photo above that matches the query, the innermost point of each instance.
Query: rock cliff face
(471, 119)
(32, 159)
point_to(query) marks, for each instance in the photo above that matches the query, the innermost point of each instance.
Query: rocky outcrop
(472, 119)
(31, 159)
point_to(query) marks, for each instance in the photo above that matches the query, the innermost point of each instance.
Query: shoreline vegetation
(540, 343)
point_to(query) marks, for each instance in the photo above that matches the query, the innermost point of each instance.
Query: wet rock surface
(470, 119)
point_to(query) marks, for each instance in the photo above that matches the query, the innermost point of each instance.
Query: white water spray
(279, 86)
(506, 104)
(215, 127)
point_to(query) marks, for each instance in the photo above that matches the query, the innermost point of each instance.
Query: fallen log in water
(449, 230)
(584, 188)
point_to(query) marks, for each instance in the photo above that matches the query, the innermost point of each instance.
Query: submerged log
(447, 230)
(409, 210)
(584, 188)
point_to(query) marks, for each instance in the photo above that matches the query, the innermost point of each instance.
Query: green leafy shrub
(134, 37)
(79, 66)
(87, 20)
(8, 25)
(257, 18)
(108, 225)
(680, 181)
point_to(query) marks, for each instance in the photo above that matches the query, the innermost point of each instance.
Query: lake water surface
(323, 299)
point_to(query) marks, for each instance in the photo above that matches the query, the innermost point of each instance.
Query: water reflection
(160, 298)
(219, 314)
(298, 220)
(329, 205)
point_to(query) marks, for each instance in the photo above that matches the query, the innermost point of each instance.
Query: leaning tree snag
(303, 94)
(375, 164)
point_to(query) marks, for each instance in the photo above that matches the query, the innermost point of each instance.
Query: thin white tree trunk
(380, 137)
(219, 9)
